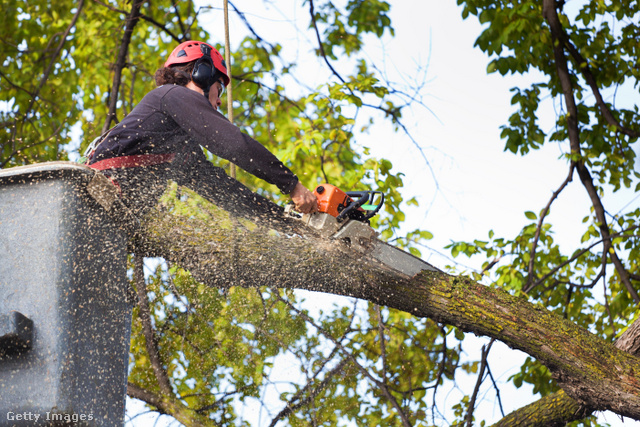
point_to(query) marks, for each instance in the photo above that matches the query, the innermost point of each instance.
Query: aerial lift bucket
(65, 313)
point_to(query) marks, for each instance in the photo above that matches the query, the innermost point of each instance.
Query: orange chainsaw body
(331, 199)
(357, 205)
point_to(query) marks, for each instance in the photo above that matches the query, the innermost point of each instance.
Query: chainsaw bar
(361, 238)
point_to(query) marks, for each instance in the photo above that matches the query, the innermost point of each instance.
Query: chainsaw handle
(367, 196)
(375, 211)
(353, 206)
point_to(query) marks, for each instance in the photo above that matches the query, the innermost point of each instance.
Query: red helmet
(192, 50)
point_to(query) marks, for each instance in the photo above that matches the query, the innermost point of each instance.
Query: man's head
(194, 61)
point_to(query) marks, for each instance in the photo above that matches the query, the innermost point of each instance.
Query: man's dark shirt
(175, 119)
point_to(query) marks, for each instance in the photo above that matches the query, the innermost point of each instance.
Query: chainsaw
(344, 216)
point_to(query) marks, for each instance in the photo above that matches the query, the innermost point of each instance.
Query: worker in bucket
(161, 139)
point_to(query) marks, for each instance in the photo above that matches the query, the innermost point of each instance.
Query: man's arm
(195, 115)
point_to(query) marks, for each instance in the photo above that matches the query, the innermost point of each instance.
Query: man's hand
(304, 200)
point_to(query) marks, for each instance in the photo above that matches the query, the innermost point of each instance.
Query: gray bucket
(65, 315)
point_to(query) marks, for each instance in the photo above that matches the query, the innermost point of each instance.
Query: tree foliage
(581, 58)
(201, 355)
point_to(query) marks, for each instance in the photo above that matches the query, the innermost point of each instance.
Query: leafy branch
(550, 14)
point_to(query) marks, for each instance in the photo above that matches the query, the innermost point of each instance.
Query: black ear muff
(203, 70)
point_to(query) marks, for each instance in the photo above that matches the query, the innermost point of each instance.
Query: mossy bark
(222, 251)
(554, 410)
(170, 405)
(557, 409)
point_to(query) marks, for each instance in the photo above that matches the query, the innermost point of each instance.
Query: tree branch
(46, 73)
(382, 386)
(180, 23)
(550, 14)
(558, 409)
(483, 365)
(320, 45)
(146, 396)
(312, 393)
(203, 245)
(24, 147)
(150, 338)
(169, 406)
(584, 68)
(131, 21)
(250, 28)
(543, 215)
(578, 255)
(146, 18)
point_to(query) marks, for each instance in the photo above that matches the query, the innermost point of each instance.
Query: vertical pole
(227, 58)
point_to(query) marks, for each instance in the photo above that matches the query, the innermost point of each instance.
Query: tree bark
(166, 404)
(558, 408)
(223, 251)
(132, 20)
(550, 14)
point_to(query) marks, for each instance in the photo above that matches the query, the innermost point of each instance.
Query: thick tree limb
(554, 410)
(222, 252)
(629, 341)
(558, 409)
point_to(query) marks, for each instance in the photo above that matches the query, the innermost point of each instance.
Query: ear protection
(204, 73)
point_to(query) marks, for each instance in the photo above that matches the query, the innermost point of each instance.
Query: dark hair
(177, 74)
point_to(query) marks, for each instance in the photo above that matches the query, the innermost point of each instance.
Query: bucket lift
(65, 315)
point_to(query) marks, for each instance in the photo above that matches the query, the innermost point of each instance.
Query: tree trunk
(223, 251)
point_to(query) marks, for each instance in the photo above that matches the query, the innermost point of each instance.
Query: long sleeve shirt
(175, 119)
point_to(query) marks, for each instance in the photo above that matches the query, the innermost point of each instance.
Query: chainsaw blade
(399, 260)
(361, 238)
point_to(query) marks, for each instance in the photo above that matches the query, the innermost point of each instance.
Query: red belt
(135, 161)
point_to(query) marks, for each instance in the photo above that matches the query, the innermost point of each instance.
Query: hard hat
(206, 55)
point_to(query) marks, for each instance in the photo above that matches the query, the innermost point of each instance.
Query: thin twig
(147, 327)
(46, 73)
(250, 28)
(543, 215)
(145, 17)
(584, 68)
(383, 347)
(476, 389)
(578, 255)
(383, 388)
(312, 393)
(180, 23)
(320, 45)
(497, 389)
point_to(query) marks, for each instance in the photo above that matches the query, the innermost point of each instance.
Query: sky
(478, 186)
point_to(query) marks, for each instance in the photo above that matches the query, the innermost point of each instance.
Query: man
(162, 137)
